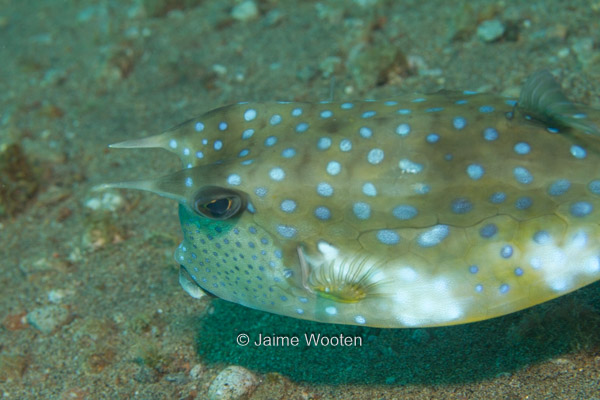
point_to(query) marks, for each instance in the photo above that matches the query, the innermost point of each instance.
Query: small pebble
(107, 202)
(245, 11)
(177, 378)
(564, 52)
(146, 374)
(15, 322)
(562, 361)
(197, 371)
(273, 17)
(48, 318)
(583, 49)
(490, 30)
(232, 383)
(56, 296)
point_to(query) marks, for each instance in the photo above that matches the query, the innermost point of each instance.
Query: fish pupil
(219, 207)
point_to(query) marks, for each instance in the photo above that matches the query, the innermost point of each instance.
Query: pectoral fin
(543, 100)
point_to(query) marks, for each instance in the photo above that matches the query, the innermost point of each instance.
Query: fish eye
(218, 203)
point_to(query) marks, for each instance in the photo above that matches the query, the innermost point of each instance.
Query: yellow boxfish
(425, 210)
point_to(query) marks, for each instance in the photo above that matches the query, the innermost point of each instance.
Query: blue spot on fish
(490, 134)
(387, 236)
(560, 187)
(488, 231)
(506, 251)
(581, 209)
(433, 138)
(461, 206)
(522, 148)
(522, 175)
(594, 186)
(405, 212)
(523, 203)
(459, 123)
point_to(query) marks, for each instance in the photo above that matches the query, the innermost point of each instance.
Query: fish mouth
(189, 284)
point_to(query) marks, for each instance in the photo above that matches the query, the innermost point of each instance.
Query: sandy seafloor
(78, 75)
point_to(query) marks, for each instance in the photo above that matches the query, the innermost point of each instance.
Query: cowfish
(424, 210)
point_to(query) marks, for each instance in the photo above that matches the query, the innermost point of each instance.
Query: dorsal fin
(543, 100)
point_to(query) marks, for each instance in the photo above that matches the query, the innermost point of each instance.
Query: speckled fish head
(421, 211)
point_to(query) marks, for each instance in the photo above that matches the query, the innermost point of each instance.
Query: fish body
(425, 210)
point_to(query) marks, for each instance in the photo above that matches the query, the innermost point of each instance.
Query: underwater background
(90, 304)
